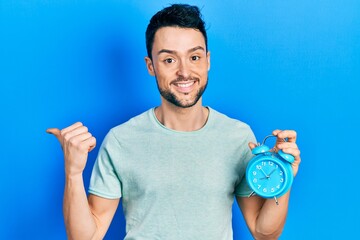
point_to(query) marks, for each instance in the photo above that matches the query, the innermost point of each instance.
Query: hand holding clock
(289, 147)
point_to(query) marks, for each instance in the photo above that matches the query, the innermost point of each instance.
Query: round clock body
(269, 175)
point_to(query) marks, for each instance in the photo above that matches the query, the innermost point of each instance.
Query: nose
(183, 69)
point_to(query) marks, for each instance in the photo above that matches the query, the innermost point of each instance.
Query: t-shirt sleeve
(104, 181)
(243, 189)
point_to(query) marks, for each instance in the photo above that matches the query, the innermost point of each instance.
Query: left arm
(264, 218)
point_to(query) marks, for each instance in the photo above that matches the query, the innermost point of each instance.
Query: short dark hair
(176, 15)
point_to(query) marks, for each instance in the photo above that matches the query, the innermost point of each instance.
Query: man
(177, 167)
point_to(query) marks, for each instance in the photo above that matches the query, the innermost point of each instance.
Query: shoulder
(140, 120)
(141, 123)
(225, 122)
(232, 129)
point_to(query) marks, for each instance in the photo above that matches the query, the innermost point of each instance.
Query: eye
(195, 58)
(169, 60)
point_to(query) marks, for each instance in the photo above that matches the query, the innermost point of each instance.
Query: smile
(185, 86)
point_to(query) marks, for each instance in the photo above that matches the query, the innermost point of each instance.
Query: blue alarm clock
(269, 174)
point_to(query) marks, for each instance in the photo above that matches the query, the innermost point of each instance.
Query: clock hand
(272, 172)
(266, 176)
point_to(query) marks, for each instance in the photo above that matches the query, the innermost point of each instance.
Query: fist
(76, 142)
(289, 147)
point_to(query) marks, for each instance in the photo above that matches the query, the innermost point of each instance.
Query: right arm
(85, 218)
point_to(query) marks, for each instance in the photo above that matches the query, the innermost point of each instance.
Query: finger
(83, 141)
(91, 142)
(283, 145)
(275, 132)
(293, 151)
(55, 131)
(71, 128)
(289, 134)
(252, 145)
(80, 137)
(74, 132)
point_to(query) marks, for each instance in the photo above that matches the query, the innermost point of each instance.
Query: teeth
(184, 85)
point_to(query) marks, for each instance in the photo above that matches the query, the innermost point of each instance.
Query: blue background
(275, 64)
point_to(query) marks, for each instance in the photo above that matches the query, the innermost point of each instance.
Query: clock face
(267, 177)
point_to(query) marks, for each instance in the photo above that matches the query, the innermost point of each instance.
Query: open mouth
(185, 86)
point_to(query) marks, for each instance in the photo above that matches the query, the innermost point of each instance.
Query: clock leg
(252, 194)
(277, 203)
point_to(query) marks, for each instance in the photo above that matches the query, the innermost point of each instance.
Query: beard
(169, 96)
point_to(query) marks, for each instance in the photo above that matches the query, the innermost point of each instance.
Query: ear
(208, 59)
(149, 66)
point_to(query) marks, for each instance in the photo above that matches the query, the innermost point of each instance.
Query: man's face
(180, 64)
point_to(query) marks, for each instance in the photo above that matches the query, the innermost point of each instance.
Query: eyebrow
(174, 52)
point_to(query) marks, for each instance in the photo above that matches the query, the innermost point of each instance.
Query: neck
(182, 119)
